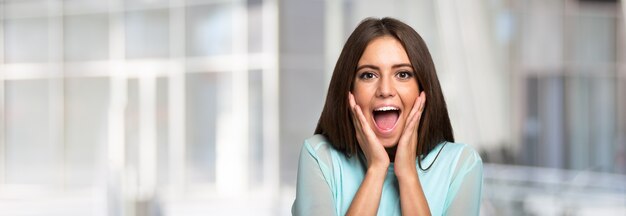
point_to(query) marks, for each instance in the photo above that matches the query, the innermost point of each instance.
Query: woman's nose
(385, 88)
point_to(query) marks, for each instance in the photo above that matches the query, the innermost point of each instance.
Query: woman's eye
(367, 75)
(405, 75)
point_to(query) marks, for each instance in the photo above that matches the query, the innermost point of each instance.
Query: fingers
(355, 119)
(364, 132)
(415, 109)
(353, 110)
(360, 117)
(351, 100)
(365, 127)
(357, 114)
(409, 135)
(416, 113)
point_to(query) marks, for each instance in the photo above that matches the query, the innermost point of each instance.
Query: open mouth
(386, 117)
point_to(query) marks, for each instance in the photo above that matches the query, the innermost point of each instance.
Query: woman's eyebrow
(367, 66)
(402, 65)
(378, 68)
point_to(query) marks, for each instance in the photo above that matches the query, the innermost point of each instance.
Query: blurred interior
(196, 107)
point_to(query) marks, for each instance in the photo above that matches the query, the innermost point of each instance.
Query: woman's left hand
(413, 201)
(405, 156)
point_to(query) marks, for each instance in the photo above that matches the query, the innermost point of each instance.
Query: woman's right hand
(367, 198)
(377, 157)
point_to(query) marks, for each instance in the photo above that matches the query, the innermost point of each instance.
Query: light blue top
(328, 180)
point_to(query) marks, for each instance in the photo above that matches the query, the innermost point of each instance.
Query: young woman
(384, 143)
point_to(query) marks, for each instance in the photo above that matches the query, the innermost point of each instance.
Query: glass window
(31, 8)
(620, 148)
(531, 124)
(294, 126)
(26, 40)
(132, 126)
(544, 125)
(85, 6)
(593, 39)
(31, 155)
(86, 37)
(255, 109)
(209, 30)
(602, 110)
(208, 94)
(142, 4)
(86, 125)
(162, 120)
(578, 104)
(255, 26)
(551, 117)
(147, 34)
(592, 128)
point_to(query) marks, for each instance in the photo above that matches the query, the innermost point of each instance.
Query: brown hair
(335, 122)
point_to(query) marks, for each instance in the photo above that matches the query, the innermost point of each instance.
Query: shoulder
(317, 143)
(316, 140)
(464, 158)
(454, 156)
(465, 180)
(461, 150)
(319, 147)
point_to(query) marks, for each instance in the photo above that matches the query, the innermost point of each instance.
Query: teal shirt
(328, 180)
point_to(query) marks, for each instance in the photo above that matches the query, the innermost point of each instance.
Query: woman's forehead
(384, 51)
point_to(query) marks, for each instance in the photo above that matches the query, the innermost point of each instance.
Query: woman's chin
(389, 142)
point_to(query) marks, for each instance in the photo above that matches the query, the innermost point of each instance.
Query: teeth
(386, 108)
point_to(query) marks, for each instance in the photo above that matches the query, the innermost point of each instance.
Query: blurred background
(200, 107)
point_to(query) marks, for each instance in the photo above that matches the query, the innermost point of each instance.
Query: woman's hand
(375, 153)
(412, 198)
(367, 198)
(404, 162)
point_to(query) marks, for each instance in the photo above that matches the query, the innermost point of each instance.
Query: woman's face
(385, 88)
